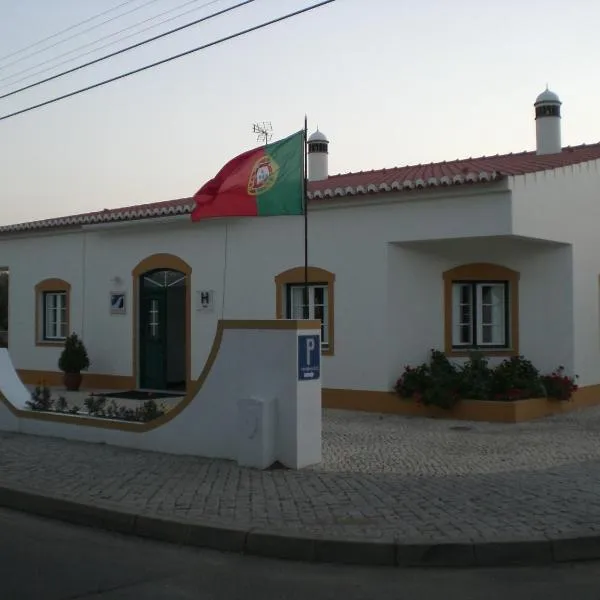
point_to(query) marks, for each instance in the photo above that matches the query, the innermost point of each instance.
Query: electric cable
(101, 47)
(64, 31)
(76, 34)
(166, 60)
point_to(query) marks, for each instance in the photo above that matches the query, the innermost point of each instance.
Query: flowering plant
(558, 385)
(441, 383)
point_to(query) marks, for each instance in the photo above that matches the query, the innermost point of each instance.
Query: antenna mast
(263, 131)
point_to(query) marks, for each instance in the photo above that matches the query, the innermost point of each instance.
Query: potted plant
(73, 359)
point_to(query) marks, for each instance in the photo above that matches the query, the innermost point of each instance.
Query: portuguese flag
(265, 181)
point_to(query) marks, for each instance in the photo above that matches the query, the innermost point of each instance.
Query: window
(480, 314)
(55, 315)
(289, 287)
(52, 312)
(481, 310)
(317, 307)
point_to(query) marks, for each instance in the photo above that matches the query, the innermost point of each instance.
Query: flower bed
(95, 406)
(441, 383)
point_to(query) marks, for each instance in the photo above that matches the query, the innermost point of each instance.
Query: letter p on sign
(309, 357)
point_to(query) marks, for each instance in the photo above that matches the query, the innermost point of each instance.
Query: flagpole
(305, 195)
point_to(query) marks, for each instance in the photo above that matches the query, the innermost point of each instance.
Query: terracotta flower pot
(72, 381)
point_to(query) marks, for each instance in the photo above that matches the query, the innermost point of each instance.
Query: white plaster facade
(388, 253)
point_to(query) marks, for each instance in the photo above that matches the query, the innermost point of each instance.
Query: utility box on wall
(256, 432)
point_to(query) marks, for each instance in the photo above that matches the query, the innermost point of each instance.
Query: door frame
(152, 263)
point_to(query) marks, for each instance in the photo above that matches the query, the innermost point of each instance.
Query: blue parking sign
(309, 357)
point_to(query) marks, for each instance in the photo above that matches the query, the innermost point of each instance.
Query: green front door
(153, 338)
(162, 330)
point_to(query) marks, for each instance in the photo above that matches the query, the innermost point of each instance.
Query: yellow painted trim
(465, 410)
(90, 381)
(315, 275)
(190, 394)
(50, 285)
(482, 272)
(301, 325)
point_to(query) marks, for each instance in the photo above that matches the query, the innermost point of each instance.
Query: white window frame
(54, 329)
(297, 289)
(474, 317)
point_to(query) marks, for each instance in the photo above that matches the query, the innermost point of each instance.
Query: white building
(500, 251)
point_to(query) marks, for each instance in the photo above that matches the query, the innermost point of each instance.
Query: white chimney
(318, 156)
(547, 123)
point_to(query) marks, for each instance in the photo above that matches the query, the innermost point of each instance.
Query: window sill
(465, 352)
(51, 344)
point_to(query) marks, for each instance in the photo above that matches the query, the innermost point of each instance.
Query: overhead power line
(14, 62)
(99, 40)
(170, 58)
(64, 30)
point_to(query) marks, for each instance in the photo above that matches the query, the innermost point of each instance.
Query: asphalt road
(48, 560)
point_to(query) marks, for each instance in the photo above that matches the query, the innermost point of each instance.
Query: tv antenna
(263, 131)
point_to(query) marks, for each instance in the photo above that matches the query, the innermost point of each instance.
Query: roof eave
(433, 183)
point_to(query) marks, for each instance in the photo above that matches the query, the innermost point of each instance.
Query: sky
(390, 83)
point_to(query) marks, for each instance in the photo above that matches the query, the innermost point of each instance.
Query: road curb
(268, 544)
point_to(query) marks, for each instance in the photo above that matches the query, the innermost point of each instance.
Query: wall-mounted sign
(117, 303)
(309, 357)
(205, 300)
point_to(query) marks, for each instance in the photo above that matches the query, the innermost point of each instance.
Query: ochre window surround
(482, 273)
(52, 285)
(316, 276)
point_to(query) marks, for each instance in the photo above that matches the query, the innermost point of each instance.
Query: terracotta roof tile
(484, 168)
(446, 173)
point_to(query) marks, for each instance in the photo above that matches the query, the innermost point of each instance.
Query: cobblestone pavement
(373, 443)
(409, 479)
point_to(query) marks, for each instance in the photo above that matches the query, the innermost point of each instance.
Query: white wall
(382, 290)
(341, 242)
(116, 252)
(246, 254)
(415, 297)
(32, 259)
(265, 363)
(565, 206)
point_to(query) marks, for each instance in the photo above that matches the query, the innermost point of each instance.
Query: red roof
(506, 164)
(442, 174)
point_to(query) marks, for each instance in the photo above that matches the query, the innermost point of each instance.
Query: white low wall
(251, 403)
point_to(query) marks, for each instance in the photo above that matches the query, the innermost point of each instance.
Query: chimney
(547, 123)
(318, 156)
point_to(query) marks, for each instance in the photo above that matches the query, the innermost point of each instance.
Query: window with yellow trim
(481, 309)
(291, 304)
(52, 311)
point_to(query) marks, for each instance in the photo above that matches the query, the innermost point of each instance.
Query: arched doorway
(162, 330)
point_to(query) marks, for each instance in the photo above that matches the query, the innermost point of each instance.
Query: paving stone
(406, 478)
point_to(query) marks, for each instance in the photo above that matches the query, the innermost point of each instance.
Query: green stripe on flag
(285, 195)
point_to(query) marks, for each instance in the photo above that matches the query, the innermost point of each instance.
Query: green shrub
(439, 382)
(41, 399)
(516, 379)
(476, 378)
(74, 357)
(433, 383)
